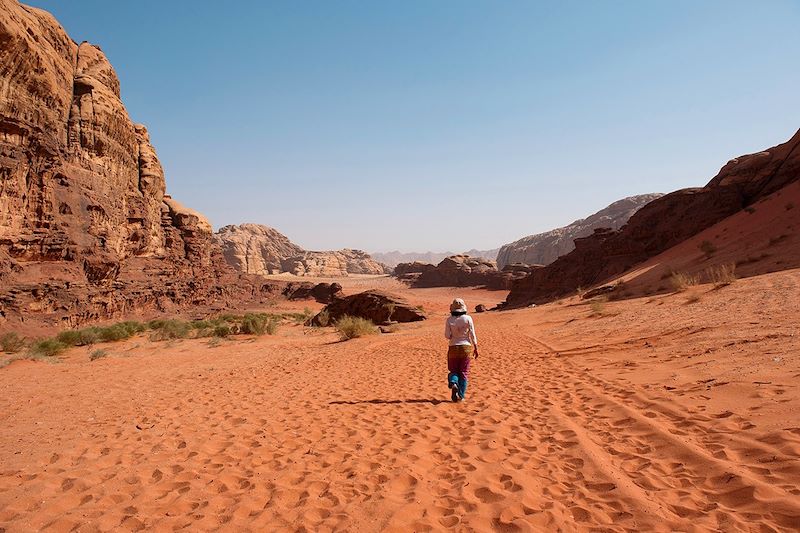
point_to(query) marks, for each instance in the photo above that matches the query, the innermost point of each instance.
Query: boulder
(323, 293)
(481, 308)
(378, 306)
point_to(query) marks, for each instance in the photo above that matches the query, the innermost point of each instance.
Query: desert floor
(674, 412)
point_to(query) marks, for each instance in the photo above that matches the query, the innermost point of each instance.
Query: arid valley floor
(675, 412)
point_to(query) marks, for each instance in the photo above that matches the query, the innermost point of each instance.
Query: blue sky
(443, 124)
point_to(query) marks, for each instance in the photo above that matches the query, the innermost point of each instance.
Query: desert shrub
(11, 342)
(722, 275)
(97, 354)
(255, 323)
(47, 348)
(708, 248)
(70, 337)
(171, 329)
(598, 306)
(350, 327)
(680, 281)
(221, 330)
(789, 206)
(750, 210)
(324, 318)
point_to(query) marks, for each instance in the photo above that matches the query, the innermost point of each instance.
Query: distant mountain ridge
(544, 248)
(392, 259)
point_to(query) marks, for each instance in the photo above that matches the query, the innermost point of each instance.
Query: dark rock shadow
(433, 401)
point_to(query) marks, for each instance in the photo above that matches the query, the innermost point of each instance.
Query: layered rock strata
(662, 224)
(86, 229)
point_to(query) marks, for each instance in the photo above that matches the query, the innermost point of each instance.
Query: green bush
(350, 327)
(221, 330)
(259, 324)
(47, 348)
(170, 329)
(97, 354)
(11, 342)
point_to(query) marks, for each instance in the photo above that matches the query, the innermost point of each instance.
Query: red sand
(676, 412)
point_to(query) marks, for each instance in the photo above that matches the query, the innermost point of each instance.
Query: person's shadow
(433, 401)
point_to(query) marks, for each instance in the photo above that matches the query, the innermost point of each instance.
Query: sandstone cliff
(662, 224)
(86, 229)
(257, 249)
(544, 248)
(333, 264)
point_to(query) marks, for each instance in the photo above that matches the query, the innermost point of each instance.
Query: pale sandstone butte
(662, 224)
(258, 249)
(544, 248)
(86, 230)
(255, 249)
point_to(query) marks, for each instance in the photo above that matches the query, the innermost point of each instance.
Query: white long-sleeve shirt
(460, 330)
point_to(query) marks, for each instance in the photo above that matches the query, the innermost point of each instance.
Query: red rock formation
(459, 271)
(662, 224)
(323, 293)
(378, 306)
(86, 230)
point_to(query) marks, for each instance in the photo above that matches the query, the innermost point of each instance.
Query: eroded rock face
(256, 249)
(332, 264)
(544, 248)
(459, 271)
(323, 293)
(86, 229)
(378, 306)
(661, 224)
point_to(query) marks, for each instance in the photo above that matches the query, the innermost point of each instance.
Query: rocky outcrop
(86, 229)
(459, 271)
(323, 293)
(662, 224)
(255, 249)
(332, 264)
(378, 306)
(392, 259)
(544, 248)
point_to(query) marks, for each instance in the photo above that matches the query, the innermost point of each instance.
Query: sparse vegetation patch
(722, 275)
(350, 327)
(11, 342)
(681, 280)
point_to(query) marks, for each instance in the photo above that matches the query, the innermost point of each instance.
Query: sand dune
(670, 413)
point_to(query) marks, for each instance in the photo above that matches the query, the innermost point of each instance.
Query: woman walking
(460, 331)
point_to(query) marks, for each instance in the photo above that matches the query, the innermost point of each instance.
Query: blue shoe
(454, 395)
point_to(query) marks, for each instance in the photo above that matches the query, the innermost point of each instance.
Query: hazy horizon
(442, 125)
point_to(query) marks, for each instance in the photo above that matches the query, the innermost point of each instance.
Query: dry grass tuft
(11, 342)
(681, 281)
(350, 327)
(722, 275)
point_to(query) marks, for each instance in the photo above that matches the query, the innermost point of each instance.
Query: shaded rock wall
(662, 224)
(86, 230)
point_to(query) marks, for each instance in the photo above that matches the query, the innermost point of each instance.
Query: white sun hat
(458, 305)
